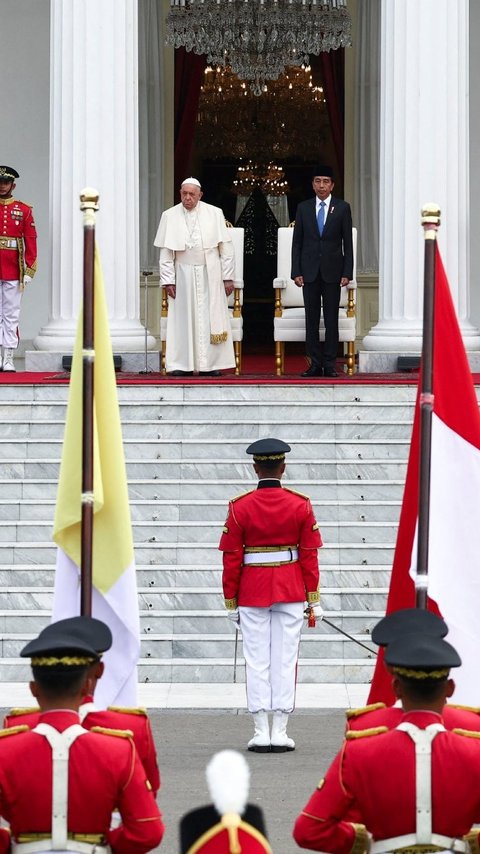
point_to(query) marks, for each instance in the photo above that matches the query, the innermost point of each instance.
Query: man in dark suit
(322, 263)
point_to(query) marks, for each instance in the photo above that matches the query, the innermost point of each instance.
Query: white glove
(26, 279)
(317, 610)
(234, 616)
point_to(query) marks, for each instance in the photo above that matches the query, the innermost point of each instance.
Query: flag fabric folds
(114, 582)
(454, 535)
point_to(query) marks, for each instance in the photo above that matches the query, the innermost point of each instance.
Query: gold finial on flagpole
(89, 205)
(430, 220)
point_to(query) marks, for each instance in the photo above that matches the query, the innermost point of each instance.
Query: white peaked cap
(194, 181)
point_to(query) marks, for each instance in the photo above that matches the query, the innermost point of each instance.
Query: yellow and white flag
(114, 583)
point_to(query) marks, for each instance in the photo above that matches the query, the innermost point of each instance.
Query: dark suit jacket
(332, 253)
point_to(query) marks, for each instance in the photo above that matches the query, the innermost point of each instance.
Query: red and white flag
(454, 535)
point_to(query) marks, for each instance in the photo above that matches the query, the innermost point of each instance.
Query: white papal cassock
(196, 254)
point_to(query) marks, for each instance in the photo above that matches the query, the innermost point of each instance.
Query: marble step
(203, 532)
(184, 510)
(356, 623)
(201, 599)
(231, 452)
(222, 489)
(40, 553)
(191, 646)
(262, 394)
(240, 430)
(219, 670)
(203, 470)
(280, 412)
(189, 575)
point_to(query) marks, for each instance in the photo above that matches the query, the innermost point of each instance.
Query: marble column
(424, 157)
(94, 142)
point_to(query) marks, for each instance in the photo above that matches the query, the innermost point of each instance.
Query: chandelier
(232, 123)
(258, 40)
(268, 176)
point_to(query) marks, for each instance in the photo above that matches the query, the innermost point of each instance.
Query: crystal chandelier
(233, 123)
(268, 176)
(258, 39)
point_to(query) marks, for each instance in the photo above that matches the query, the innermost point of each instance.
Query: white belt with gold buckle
(265, 558)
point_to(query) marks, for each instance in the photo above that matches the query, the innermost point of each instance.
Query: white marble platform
(213, 696)
(384, 362)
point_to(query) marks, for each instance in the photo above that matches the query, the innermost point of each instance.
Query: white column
(94, 142)
(424, 157)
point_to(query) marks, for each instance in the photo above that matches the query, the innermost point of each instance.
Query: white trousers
(10, 299)
(271, 638)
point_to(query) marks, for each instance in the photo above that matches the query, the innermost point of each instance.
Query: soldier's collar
(268, 482)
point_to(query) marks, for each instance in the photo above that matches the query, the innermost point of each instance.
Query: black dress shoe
(329, 372)
(210, 373)
(180, 373)
(313, 371)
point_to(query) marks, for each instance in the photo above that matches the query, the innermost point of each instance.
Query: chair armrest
(280, 283)
(352, 286)
(238, 283)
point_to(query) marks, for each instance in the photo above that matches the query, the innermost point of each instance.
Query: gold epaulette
(365, 733)
(474, 709)
(13, 730)
(355, 713)
(125, 710)
(13, 713)
(295, 492)
(105, 730)
(242, 495)
(470, 733)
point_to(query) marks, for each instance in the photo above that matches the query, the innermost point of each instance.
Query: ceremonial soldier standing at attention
(18, 262)
(270, 548)
(416, 788)
(60, 783)
(97, 634)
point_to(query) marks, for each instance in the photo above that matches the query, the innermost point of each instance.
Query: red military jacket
(377, 714)
(270, 516)
(374, 776)
(134, 720)
(17, 227)
(104, 773)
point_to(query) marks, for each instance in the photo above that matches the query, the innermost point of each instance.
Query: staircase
(185, 452)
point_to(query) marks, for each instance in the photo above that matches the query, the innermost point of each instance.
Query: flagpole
(89, 205)
(430, 223)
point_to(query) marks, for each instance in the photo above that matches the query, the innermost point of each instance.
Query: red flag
(454, 536)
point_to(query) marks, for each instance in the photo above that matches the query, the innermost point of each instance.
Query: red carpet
(257, 369)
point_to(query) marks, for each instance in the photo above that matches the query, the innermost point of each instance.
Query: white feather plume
(228, 780)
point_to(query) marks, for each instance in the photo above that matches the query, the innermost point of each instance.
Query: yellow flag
(115, 596)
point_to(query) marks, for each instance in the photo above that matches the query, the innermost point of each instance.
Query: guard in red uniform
(59, 783)
(18, 261)
(270, 548)
(230, 825)
(135, 720)
(391, 627)
(416, 787)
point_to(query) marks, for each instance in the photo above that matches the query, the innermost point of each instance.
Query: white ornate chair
(289, 320)
(235, 302)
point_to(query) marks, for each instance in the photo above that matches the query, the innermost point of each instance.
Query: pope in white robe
(197, 268)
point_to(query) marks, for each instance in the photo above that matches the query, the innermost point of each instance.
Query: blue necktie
(321, 217)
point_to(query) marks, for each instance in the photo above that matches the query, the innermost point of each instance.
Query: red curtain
(189, 69)
(332, 64)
